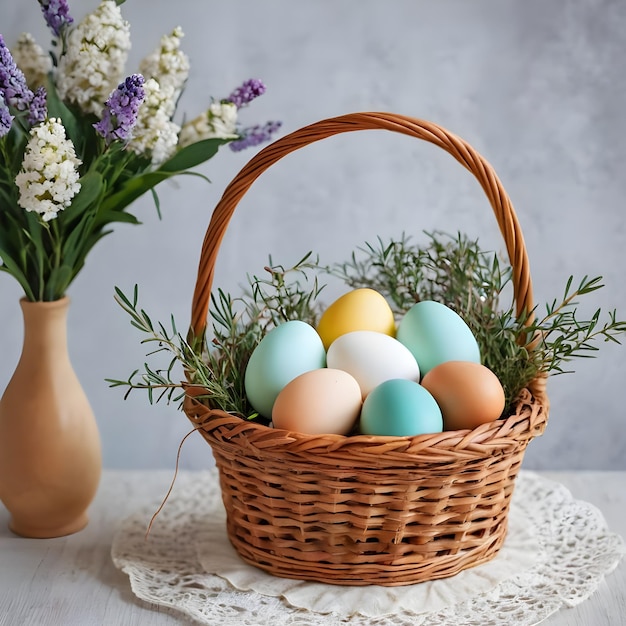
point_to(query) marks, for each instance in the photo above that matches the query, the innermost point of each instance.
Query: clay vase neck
(50, 455)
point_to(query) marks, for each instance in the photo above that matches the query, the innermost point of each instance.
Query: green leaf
(133, 189)
(76, 242)
(81, 251)
(107, 217)
(58, 282)
(34, 229)
(193, 155)
(35, 232)
(14, 144)
(91, 188)
(6, 199)
(57, 108)
(10, 266)
(157, 202)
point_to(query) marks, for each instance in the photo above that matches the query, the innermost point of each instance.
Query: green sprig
(238, 325)
(452, 270)
(478, 286)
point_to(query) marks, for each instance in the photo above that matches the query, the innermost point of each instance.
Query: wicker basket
(364, 510)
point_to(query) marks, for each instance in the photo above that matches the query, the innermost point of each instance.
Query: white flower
(219, 122)
(168, 65)
(154, 134)
(93, 65)
(32, 60)
(48, 180)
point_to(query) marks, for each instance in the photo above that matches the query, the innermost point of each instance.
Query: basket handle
(421, 129)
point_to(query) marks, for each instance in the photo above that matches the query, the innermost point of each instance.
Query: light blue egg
(400, 408)
(287, 351)
(434, 333)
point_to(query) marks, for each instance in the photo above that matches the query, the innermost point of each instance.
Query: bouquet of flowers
(80, 140)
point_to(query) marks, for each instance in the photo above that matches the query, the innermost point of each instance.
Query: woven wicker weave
(367, 510)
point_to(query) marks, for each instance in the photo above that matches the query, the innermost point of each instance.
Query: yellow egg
(469, 394)
(359, 309)
(322, 401)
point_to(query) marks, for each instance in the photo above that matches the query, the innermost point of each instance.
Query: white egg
(372, 358)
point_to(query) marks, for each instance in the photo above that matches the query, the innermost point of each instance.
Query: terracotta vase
(50, 455)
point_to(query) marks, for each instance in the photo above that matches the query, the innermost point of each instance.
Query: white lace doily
(556, 553)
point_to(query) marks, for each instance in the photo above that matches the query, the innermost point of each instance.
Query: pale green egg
(284, 353)
(400, 408)
(434, 333)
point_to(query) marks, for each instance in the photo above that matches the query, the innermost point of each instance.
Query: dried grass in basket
(364, 510)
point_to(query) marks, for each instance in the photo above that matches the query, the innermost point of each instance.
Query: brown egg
(468, 394)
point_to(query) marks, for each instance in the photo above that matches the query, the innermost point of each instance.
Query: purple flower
(246, 93)
(254, 136)
(38, 110)
(57, 14)
(12, 81)
(5, 117)
(120, 111)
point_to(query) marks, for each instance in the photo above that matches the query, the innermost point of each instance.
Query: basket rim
(528, 420)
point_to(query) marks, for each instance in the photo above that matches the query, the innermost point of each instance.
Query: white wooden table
(71, 581)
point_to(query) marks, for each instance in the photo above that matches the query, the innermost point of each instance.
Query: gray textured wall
(537, 87)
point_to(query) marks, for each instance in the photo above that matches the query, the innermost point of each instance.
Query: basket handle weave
(421, 129)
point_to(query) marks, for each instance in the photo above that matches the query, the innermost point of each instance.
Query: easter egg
(359, 309)
(323, 401)
(285, 352)
(434, 334)
(372, 358)
(400, 408)
(469, 394)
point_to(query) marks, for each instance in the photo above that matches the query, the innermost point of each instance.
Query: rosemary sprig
(164, 380)
(458, 273)
(452, 270)
(565, 337)
(238, 325)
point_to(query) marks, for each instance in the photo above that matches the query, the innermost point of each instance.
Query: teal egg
(434, 334)
(400, 408)
(287, 351)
